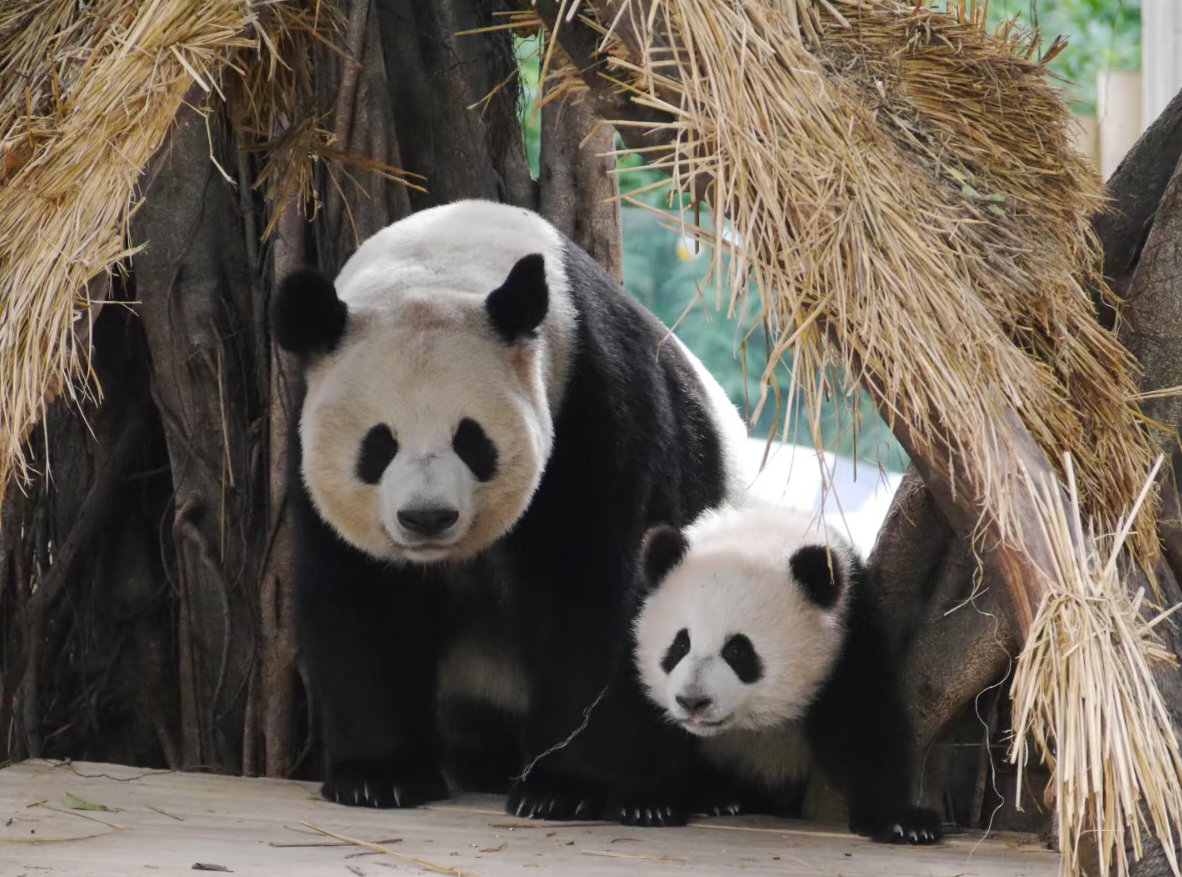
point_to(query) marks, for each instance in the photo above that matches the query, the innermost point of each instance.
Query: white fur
(419, 355)
(735, 578)
(732, 431)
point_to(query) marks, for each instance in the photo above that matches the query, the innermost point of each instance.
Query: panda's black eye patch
(743, 659)
(377, 450)
(474, 448)
(678, 649)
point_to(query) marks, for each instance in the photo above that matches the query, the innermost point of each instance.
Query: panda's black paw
(915, 825)
(649, 816)
(367, 784)
(532, 802)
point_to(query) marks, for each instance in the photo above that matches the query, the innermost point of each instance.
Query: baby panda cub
(757, 633)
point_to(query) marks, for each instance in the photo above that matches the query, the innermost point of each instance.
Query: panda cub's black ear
(662, 549)
(518, 305)
(817, 569)
(306, 315)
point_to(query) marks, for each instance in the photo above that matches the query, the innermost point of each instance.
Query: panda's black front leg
(860, 734)
(594, 747)
(369, 638)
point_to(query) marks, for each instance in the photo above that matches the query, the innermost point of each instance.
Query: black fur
(306, 315)
(860, 732)
(662, 549)
(743, 659)
(677, 650)
(378, 449)
(476, 450)
(818, 574)
(520, 303)
(635, 443)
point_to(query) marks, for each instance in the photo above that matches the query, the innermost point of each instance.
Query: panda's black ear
(306, 315)
(662, 549)
(518, 305)
(817, 569)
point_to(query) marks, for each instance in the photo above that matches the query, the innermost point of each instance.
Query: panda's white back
(462, 249)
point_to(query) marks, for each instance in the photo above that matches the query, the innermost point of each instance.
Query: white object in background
(853, 499)
(1118, 108)
(1161, 56)
(1084, 131)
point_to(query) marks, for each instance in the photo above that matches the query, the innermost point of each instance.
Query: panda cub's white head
(433, 364)
(744, 617)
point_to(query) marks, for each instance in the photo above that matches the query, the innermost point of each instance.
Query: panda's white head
(743, 617)
(427, 423)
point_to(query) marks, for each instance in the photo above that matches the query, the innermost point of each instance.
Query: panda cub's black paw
(725, 808)
(527, 801)
(364, 784)
(916, 825)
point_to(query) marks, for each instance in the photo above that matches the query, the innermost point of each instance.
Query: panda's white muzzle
(427, 504)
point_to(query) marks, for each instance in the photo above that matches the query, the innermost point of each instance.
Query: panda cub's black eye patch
(678, 649)
(475, 449)
(377, 450)
(743, 659)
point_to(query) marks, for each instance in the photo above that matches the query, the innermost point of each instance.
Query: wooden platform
(162, 823)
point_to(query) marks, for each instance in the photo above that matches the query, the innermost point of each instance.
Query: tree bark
(198, 313)
(578, 189)
(354, 83)
(1136, 188)
(455, 100)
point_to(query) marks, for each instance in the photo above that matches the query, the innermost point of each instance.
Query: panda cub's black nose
(694, 705)
(427, 520)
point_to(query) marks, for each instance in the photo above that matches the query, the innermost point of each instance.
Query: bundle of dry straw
(88, 92)
(1084, 694)
(901, 190)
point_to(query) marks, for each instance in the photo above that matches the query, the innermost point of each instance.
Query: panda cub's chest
(771, 759)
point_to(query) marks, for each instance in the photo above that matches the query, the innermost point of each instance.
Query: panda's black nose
(427, 520)
(694, 705)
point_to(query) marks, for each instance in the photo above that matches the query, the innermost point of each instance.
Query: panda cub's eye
(743, 659)
(677, 650)
(377, 450)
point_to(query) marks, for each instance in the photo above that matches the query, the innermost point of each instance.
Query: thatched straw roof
(907, 176)
(90, 91)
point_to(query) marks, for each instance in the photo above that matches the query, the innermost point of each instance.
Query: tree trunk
(199, 309)
(579, 192)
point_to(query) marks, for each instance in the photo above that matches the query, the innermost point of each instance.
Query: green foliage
(528, 70)
(1101, 34)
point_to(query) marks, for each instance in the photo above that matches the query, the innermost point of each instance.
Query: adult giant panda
(487, 427)
(758, 634)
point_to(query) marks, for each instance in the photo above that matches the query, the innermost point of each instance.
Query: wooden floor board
(161, 823)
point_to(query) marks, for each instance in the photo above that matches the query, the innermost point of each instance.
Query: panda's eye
(377, 450)
(473, 447)
(743, 659)
(678, 649)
